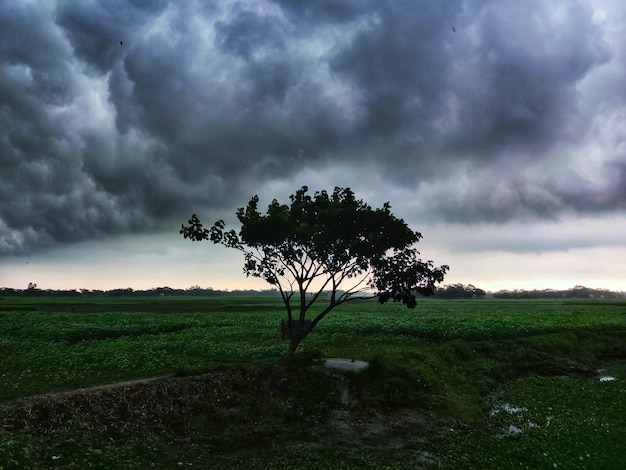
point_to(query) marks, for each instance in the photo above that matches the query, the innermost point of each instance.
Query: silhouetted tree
(326, 243)
(460, 291)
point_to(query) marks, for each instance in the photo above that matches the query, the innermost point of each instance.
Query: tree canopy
(325, 243)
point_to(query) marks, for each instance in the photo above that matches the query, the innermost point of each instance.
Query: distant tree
(127, 292)
(460, 291)
(578, 292)
(325, 244)
(479, 293)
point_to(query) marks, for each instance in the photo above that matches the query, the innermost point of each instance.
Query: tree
(325, 243)
(460, 291)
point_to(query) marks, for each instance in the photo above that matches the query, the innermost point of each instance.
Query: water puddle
(345, 364)
(511, 419)
(607, 378)
(516, 413)
(508, 408)
(604, 377)
(513, 409)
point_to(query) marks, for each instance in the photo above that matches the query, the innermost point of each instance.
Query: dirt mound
(234, 410)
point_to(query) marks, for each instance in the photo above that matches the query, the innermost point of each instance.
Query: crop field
(173, 382)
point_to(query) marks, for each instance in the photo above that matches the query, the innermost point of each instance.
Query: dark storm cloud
(399, 63)
(589, 198)
(306, 14)
(121, 116)
(492, 196)
(516, 78)
(246, 32)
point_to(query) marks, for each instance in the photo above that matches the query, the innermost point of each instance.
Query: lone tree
(325, 243)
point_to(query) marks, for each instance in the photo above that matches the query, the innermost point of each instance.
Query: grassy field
(452, 384)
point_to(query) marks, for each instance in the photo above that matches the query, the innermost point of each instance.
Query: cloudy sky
(497, 128)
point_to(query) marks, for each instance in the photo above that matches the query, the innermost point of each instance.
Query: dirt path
(83, 390)
(107, 386)
(339, 364)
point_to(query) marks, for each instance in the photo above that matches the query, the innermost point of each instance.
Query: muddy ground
(234, 412)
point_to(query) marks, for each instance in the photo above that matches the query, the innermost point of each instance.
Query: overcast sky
(496, 128)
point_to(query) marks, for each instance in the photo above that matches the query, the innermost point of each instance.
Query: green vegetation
(452, 384)
(550, 422)
(54, 345)
(325, 243)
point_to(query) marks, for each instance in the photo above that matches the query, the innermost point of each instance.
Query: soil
(230, 411)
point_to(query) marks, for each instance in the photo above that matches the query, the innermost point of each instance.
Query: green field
(452, 384)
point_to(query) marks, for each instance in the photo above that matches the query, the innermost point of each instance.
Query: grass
(548, 422)
(437, 374)
(47, 349)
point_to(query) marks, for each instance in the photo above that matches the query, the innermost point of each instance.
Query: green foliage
(56, 350)
(326, 242)
(48, 350)
(69, 449)
(547, 422)
(454, 363)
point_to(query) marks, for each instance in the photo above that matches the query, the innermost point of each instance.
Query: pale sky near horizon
(496, 128)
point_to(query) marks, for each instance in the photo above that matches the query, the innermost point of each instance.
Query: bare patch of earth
(231, 411)
(345, 364)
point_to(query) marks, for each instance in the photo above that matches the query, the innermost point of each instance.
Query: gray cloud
(246, 33)
(121, 117)
(516, 80)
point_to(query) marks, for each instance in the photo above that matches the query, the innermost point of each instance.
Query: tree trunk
(295, 340)
(293, 346)
(302, 304)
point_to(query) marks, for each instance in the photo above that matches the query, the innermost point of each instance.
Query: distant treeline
(577, 292)
(129, 292)
(459, 291)
(453, 291)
